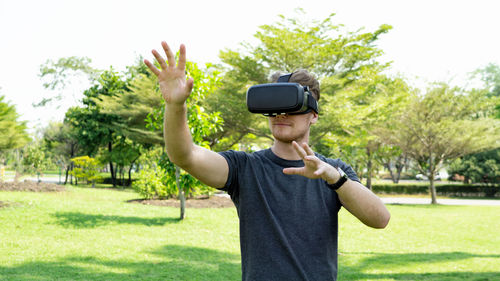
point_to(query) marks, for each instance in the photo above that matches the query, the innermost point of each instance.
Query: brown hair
(304, 78)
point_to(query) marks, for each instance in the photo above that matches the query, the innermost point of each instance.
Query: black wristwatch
(343, 178)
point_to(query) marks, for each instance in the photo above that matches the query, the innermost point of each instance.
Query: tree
(86, 168)
(490, 76)
(135, 107)
(482, 167)
(12, 130)
(338, 57)
(124, 154)
(60, 140)
(392, 157)
(13, 134)
(365, 105)
(57, 74)
(441, 125)
(34, 159)
(94, 128)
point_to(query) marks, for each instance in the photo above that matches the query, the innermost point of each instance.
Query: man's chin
(285, 138)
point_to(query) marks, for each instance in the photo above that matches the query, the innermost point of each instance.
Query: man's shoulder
(243, 155)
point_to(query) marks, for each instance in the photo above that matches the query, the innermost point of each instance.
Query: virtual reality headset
(279, 98)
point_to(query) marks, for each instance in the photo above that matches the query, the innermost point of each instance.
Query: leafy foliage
(338, 57)
(150, 184)
(133, 107)
(482, 167)
(93, 126)
(86, 168)
(56, 75)
(442, 125)
(12, 130)
(34, 159)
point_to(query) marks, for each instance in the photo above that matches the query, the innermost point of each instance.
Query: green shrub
(458, 190)
(86, 168)
(150, 184)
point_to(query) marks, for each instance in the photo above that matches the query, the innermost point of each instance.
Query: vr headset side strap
(312, 103)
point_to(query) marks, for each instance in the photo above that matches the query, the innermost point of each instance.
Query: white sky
(436, 40)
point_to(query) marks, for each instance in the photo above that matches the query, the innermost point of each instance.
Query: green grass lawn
(94, 234)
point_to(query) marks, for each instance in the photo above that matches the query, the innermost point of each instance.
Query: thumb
(190, 84)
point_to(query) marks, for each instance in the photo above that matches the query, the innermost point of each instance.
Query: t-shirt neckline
(282, 162)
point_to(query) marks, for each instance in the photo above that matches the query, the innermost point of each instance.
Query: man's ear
(314, 118)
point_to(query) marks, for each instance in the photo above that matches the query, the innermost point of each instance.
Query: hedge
(456, 190)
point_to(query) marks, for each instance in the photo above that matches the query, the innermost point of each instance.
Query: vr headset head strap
(312, 103)
(285, 78)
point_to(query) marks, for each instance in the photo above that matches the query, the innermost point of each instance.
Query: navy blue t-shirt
(288, 223)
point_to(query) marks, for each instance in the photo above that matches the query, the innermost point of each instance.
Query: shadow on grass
(174, 263)
(81, 220)
(392, 262)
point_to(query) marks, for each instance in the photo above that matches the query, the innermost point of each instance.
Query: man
(287, 197)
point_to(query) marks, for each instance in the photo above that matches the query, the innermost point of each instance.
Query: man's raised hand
(171, 77)
(313, 168)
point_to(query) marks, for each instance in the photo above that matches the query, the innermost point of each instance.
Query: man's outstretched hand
(172, 79)
(314, 168)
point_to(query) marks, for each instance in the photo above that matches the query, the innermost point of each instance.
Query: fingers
(152, 67)
(190, 84)
(302, 153)
(293, 171)
(307, 149)
(159, 59)
(168, 52)
(182, 57)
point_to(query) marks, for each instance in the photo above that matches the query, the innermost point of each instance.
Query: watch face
(341, 172)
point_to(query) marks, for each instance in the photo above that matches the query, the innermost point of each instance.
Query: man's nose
(284, 115)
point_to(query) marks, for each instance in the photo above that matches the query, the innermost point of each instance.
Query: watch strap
(343, 178)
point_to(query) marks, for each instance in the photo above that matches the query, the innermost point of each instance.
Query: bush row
(456, 190)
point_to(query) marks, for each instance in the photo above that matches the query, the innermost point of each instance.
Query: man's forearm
(364, 204)
(178, 140)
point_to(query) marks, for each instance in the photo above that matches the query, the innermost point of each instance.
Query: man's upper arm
(208, 166)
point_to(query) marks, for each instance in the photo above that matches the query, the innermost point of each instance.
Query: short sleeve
(233, 159)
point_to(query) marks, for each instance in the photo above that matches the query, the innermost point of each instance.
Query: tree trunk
(18, 174)
(129, 183)
(400, 164)
(67, 174)
(369, 169)
(130, 171)
(111, 170)
(388, 167)
(432, 172)
(433, 190)
(182, 197)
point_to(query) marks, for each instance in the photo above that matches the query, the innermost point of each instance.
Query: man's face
(287, 128)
